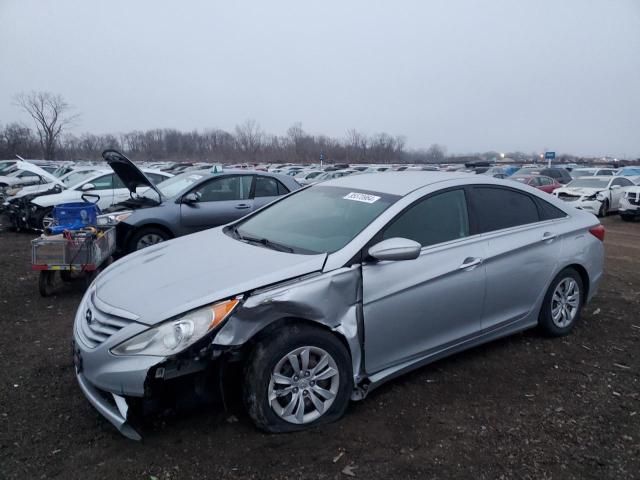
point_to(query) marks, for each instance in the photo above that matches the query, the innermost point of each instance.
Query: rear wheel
(147, 236)
(47, 283)
(297, 380)
(562, 304)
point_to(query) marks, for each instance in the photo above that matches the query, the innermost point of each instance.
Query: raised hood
(170, 278)
(30, 167)
(125, 169)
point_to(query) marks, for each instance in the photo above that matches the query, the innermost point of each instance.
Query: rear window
(498, 208)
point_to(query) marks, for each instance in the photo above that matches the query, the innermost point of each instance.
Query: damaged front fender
(332, 299)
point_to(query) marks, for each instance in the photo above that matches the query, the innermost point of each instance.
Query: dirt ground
(524, 407)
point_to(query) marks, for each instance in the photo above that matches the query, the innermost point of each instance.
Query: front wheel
(604, 209)
(562, 304)
(297, 380)
(147, 236)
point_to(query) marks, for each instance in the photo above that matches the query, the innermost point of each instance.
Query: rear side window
(436, 219)
(266, 187)
(548, 211)
(498, 208)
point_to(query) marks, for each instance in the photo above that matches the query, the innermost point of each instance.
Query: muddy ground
(523, 407)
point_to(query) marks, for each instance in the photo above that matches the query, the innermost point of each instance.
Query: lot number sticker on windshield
(361, 197)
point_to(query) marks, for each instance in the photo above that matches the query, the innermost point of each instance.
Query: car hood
(131, 176)
(30, 167)
(582, 191)
(173, 277)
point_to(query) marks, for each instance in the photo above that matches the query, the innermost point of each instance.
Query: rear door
(524, 247)
(414, 308)
(220, 201)
(266, 190)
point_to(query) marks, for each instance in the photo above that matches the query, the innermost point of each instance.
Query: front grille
(633, 199)
(97, 326)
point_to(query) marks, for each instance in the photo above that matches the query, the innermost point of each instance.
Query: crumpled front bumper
(115, 411)
(592, 206)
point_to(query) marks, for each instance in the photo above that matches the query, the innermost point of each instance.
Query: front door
(414, 308)
(101, 193)
(219, 201)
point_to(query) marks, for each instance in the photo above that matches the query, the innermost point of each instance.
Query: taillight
(598, 232)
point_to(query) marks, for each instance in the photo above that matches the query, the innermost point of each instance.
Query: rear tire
(146, 237)
(562, 304)
(280, 399)
(47, 284)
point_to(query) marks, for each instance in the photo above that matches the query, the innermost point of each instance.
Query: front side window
(622, 182)
(439, 218)
(104, 182)
(316, 220)
(498, 208)
(224, 189)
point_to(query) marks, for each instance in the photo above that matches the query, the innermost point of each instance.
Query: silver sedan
(323, 295)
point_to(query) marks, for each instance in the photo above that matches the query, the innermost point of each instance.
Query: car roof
(394, 183)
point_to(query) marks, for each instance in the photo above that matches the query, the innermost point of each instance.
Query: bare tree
(51, 115)
(249, 137)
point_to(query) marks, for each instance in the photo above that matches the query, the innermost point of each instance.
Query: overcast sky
(471, 75)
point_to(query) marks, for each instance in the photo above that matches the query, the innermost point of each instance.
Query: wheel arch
(584, 276)
(136, 229)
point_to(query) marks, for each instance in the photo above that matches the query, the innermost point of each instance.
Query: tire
(145, 237)
(604, 209)
(43, 219)
(47, 284)
(270, 356)
(556, 320)
(627, 218)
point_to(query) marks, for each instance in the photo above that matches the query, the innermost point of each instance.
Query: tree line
(248, 142)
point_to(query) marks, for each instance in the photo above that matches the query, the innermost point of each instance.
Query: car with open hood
(326, 293)
(596, 194)
(187, 203)
(104, 187)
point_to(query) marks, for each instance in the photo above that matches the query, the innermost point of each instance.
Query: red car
(541, 182)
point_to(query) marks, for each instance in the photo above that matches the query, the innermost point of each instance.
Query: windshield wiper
(265, 242)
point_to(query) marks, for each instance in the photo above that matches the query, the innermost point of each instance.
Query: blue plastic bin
(76, 215)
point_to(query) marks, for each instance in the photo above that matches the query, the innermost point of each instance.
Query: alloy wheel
(565, 302)
(303, 385)
(148, 240)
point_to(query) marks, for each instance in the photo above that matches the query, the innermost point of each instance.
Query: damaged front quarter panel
(332, 299)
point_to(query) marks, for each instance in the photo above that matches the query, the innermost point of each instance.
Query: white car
(591, 171)
(103, 187)
(597, 194)
(630, 204)
(71, 178)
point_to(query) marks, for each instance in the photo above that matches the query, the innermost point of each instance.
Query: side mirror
(394, 249)
(57, 188)
(615, 187)
(190, 198)
(87, 186)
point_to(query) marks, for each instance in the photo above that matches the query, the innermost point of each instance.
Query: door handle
(242, 206)
(470, 263)
(548, 237)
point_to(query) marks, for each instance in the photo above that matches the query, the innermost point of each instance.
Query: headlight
(113, 218)
(600, 196)
(176, 335)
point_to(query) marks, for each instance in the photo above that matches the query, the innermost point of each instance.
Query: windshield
(318, 219)
(74, 178)
(174, 185)
(629, 171)
(589, 183)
